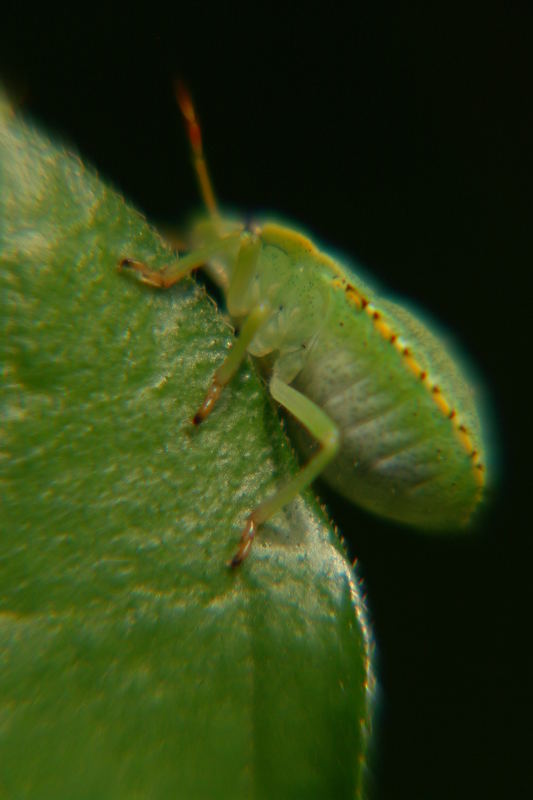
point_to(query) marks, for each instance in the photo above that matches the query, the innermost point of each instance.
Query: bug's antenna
(195, 138)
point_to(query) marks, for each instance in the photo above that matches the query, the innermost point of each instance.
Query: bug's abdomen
(401, 455)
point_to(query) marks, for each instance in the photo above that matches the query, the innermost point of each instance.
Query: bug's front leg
(168, 276)
(322, 428)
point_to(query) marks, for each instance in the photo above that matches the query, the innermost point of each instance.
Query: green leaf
(133, 662)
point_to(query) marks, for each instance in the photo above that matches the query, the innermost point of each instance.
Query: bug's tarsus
(194, 133)
(131, 264)
(245, 545)
(209, 402)
(157, 278)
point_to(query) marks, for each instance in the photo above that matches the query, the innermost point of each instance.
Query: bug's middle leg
(323, 429)
(234, 359)
(238, 306)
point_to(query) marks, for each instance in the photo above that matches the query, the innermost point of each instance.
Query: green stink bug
(394, 418)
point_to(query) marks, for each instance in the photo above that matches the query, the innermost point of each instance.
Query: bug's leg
(168, 276)
(232, 362)
(237, 295)
(323, 429)
(236, 301)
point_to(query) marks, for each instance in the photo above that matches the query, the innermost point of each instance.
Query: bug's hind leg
(323, 429)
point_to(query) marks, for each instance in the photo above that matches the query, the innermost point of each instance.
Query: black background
(402, 139)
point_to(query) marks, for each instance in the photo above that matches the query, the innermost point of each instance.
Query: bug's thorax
(283, 277)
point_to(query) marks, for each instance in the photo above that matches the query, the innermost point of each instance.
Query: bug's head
(219, 238)
(206, 230)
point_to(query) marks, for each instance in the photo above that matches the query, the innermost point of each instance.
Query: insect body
(394, 419)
